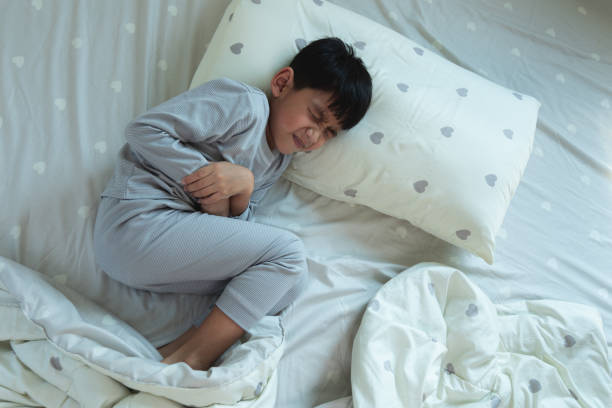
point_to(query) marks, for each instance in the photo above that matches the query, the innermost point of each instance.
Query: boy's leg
(206, 343)
(174, 345)
(289, 297)
(177, 251)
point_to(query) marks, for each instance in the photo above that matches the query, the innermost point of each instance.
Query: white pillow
(440, 146)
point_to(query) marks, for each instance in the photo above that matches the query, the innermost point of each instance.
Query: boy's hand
(218, 181)
(220, 208)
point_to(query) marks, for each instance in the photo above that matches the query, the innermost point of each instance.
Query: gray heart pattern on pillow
(517, 96)
(463, 234)
(351, 192)
(420, 186)
(508, 133)
(237, 48)
(300, 43)
(376, 137)
(360, 44)
(402, 87)
(419, 51)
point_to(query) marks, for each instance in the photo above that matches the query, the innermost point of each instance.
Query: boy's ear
(282, 82)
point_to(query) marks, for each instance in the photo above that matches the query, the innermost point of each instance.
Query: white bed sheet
(74, 73)
(556, 240)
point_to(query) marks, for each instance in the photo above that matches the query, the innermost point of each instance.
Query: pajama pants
(164, 246)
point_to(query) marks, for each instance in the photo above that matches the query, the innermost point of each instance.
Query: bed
(76, 72)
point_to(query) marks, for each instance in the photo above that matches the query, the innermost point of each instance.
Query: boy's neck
(269, 137)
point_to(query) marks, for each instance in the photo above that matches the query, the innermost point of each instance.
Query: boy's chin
(287, 149)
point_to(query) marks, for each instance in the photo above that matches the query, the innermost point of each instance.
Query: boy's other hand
(218, 181)
(220, 208)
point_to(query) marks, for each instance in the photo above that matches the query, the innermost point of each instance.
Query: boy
(174, 218)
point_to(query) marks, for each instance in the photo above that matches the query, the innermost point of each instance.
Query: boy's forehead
(321, 101)
(321, 106)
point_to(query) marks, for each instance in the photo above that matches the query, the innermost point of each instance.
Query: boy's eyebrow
(319, 109)
(321, 112)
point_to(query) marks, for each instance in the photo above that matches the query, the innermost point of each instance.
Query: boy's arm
(234, 207)
(239, 203)
(222, 188)
(251, 206)
(220, 208)
(163, 137)
(220, 181)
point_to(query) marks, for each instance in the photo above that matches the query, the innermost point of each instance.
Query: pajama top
(221, 120)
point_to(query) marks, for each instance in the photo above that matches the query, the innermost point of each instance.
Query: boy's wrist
(239, 203)
(249, 182)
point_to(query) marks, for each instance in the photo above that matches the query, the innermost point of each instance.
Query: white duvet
(431, 338)
(60, 349)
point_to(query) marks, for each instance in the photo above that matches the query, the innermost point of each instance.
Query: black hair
(329, 64)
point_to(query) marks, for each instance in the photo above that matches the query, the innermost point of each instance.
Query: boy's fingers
(198, 185)
(197, 175)
(204, 192)
(212, 199)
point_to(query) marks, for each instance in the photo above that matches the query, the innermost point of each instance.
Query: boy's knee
(293, 248)
(301, 270)
(293, 255)
(294, 245)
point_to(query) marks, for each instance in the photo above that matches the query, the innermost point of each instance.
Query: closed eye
(316, 119)
(329, 132)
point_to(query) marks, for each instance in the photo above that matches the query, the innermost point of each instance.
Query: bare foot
(207, 342)
(174, 345)
(166, 350)
(189, 356)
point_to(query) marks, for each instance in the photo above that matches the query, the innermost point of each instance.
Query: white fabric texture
(431, 338)
(76, 331)
(439, 146)
(76, 72)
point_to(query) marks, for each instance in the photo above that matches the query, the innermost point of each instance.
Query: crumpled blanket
(60, 349)
(431, 338)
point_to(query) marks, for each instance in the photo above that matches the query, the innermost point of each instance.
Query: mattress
(76, 72)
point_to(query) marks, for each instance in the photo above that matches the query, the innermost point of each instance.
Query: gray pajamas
(150, 233)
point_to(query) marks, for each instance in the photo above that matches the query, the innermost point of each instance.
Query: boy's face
(299, 120)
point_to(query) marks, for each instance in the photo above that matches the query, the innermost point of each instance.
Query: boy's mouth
(298, 142)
